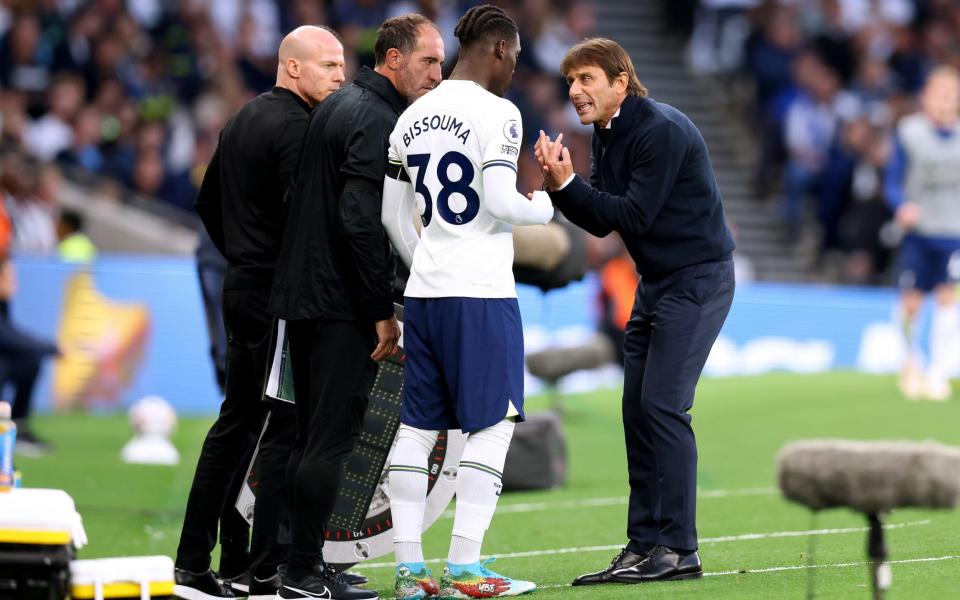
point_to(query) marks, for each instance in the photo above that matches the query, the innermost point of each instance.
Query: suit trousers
(674, 323)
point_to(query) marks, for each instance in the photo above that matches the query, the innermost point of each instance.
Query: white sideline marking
(833, 566)
(783, 534)
(793, 568)
(715, 540)
(523, 507)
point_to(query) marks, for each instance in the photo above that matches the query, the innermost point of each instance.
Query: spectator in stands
(84, 150)
(809, 128)
(148, 175)
(13, 117)
(769, 56)
(873, 86)
(53, 132)
(22, 66)
(75, 246)
(30, 196)
(864, 224)
(832, 41)
(720, 28)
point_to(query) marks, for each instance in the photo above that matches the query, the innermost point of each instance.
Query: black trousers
(226, 448)
(211, 291)
(332, 377)
(262, 552)
(234, 529)
(21, 372)
(270, 541)
(674, 323)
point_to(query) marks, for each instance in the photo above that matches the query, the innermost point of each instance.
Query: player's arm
(500, 195)
(398, 204)
(906, 213)
(507, 204)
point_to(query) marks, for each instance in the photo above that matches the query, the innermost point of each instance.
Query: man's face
(941, 99)
(594, 96)
(321, 72)
(507, 67)
(420, 70)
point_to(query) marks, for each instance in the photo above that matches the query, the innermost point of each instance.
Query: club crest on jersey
(511, 131)
(436, 122)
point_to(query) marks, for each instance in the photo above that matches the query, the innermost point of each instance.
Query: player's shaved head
(302, 40)
(311, 63)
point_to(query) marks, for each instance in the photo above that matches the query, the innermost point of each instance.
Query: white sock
(408, 491)
(943, 342)
(478, 488)
(908, 325)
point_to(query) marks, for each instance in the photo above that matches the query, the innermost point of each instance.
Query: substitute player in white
(453, 157)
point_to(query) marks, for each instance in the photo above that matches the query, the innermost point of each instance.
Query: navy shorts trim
(927, 262)
(464, 362)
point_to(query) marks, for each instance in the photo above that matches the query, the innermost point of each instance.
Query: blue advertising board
(133, 326)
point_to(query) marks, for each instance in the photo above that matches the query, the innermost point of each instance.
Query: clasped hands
(554, 160)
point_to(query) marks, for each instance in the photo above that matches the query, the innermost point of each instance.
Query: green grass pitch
(740, 424)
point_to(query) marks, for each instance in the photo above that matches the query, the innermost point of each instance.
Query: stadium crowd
(131, 94)
(830, 80)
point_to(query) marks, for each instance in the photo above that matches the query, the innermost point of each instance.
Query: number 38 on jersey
(457, 202)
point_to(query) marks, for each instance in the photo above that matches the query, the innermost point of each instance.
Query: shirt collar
(628, 108)
(285, 91)
(610, 122)
(381, 86)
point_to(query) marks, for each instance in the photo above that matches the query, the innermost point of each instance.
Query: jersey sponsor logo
(511, 131)
(436, 123)
(511, 150)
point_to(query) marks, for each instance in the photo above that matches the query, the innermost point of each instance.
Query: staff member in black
(652, 182)
(334, 281)
(240, 204)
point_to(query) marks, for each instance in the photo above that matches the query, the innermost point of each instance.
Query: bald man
(241, 203)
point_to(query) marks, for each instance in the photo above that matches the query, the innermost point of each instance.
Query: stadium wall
(132, 326)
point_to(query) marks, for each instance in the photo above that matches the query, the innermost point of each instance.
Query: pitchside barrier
(132, 326)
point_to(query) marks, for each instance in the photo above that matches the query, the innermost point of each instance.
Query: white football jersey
(444, 141)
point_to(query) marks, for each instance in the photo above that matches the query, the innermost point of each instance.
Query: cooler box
(139, 577)
(39, 532)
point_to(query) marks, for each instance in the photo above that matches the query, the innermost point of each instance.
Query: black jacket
(241, 197)
(335, 261)
(652, 183)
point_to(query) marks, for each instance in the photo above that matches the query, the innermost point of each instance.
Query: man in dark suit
(334, 282)
(240, 204)
(652, 182)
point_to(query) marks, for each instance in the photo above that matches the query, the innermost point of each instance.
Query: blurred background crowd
(129, 96)
(827, 82)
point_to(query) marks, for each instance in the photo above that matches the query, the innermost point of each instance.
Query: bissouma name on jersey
(441, 122)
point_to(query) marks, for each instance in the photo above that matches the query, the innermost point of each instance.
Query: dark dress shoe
(353, 578)
(662, 564)
(626, 559)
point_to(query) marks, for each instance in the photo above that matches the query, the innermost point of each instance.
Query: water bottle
(8, 437)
